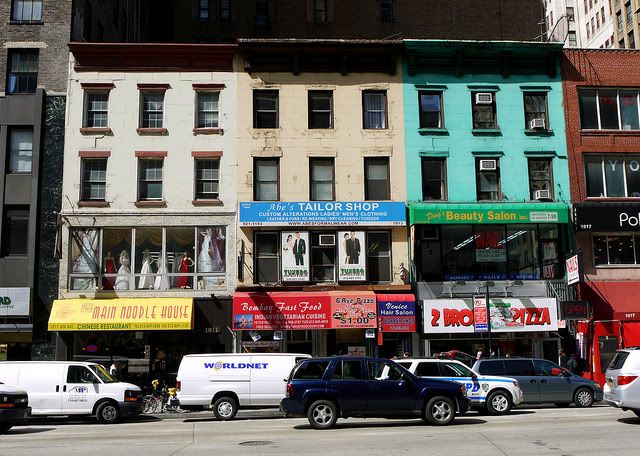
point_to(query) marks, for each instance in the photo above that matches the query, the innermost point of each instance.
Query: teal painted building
(487, 176)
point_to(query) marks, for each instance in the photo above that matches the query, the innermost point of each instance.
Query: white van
(73, 388)
(228, 381)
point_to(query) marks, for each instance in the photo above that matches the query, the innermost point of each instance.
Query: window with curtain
(26, 10)
(374, 109)
(22, 74)
(430, 108)
(20, 150)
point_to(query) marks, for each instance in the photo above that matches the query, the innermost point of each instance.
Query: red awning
(613, 300)
(396, 297)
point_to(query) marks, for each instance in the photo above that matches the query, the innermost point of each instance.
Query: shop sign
(397, 316)
(314, 310)
(491, 213)
(357, 351)
(574, 310)
(505, 315)
(14, 302)
(351, 257)
(480, 314)
(606, 216)
(322, 213)
(121, 314)
(490, 247)
(369, 333)
(573, 269)
(295, 256)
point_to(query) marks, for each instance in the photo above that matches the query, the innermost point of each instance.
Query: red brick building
(602, 111)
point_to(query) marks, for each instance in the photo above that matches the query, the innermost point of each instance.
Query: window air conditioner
(542, 195)
(484, 98)
(488, 165)
(537, 124)
(327, 239)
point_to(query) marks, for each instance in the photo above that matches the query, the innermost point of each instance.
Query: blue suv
(323, 389)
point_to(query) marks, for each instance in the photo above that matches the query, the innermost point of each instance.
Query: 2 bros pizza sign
(506, 315)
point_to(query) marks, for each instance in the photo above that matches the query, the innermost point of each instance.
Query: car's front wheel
(108, 413)
(439, 411)
(499, 403)
(583, 398)
(225, 408)
(322, 414)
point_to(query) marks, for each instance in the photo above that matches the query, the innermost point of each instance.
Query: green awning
(487, 213)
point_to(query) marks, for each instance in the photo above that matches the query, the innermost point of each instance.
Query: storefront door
(548, 349)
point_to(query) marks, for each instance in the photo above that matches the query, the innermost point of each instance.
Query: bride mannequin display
(161, 282)
(124, 272)
(146, 280)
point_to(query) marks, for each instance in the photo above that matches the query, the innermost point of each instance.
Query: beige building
(320, 158)
(627, 23)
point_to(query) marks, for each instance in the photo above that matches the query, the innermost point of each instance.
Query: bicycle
(161, 400)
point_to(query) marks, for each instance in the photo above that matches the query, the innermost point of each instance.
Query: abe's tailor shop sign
(604, 216)
(14, 302)
(322, 213)
(505, 315)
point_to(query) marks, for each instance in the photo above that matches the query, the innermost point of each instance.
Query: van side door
(43, 383)
(554, 386)
(522, 369)
(80, 390)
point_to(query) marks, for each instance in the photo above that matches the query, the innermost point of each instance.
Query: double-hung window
(20, 150)
(96, 109)
(609, 109)
(319, 11)
(207, 178)
(152, 110)
(265, 179)
(22, 74)
(150, 179)
(225, 10)
(540, 178)
(203, 11)
(267, 260)
(484, 110)
(15, 231)
(265, 109)
(208, 114)
(612, 175)
(379, 256)
(430, 108)
(26, 10)
(488, 179)
(94, 179)
(376, 176)
(535, 111)
(434, 179)
(387, 10)
(320, 109)
(374, 109)
(322, 179)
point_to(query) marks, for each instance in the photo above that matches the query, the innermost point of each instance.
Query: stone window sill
(152, 131)
(433, 131)
(150, 204)
(486, 132)
(530, 132)
(93, 204)
(208, 131)
(96, 131)
(207, 202)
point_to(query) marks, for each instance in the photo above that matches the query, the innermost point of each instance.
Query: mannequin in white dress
(124, 272)
(146, 280)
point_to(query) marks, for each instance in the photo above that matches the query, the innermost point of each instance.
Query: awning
(396, 312)
(304, 310)
(613, 300)
(606, 216)
(121, 314)
(483, 213)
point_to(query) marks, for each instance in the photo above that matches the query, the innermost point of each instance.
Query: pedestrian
(480, 354)
(563, 358)
(572, 364)
(113, 370)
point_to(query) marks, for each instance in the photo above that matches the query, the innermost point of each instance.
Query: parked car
(323, 389)
(14, 407)
(73, 388)
(228, 381)
(622, 388)
(543, 381)
(492, 394)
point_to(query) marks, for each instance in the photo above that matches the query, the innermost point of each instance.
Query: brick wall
(50, 37)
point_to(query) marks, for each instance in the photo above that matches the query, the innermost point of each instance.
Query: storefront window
(490, 251)
(211, 263)
(84, 258)
(150, 272)
(522, 245)
(612, 175)
(116, 263)
(180, 257)
(379, 256)
(457, 251)
(612, 249)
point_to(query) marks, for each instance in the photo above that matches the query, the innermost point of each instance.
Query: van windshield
(102, 373)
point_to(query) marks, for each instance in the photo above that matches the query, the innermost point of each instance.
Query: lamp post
(487, 285)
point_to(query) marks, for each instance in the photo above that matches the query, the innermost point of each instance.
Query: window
(619, 21)
(376, 176)
(96, 109)
(207, 179)
(628, 11)
(540, 176)
(519, 367)
(379, 256)
(311, 370)
(20, 150)
(323, 258)
(597, 20)
(621, 44)
(493, 367)
(484, 110)
(386, 10)
(487, 179)
(22, 76)
(265, 179)
(374, 109)
(609, 109)
(15, 230)
(26, 11)
(570, 14)
(551, 17)
(612, 176)
(348, 370)
(631, 40)
(535, 109)
(602, 15)
(588, 30)
(208, 115)
(380, 370)
(267, 264)
(204, 10)
(94, 179)
(320, 109)
(225, 10)
(427, 369)
(455, 370)
(430, 106)
(152, 109)
(573, 40)
(321, 179)
(262, 13)
(80, 374)
(612, 249)
(150, 180)
(319, 11)
(434, 179)
(265, 109)
(546, 368)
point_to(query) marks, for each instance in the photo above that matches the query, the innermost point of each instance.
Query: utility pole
(488, 299)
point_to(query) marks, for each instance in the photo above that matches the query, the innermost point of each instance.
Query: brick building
(603, 139)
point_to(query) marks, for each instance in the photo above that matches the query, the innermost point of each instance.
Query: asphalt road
(599, 430)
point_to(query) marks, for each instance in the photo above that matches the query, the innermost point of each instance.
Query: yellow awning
(121, 314)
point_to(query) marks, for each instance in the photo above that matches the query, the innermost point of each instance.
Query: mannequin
(124, 272)
(146, 280)
(185, 264)
(109, 268)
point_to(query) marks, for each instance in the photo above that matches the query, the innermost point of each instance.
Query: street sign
(480, 321)
(574, 272)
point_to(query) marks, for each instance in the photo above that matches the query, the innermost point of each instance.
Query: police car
(491, 394)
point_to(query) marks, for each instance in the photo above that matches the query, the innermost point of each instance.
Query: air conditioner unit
(537, 124)
(488, 165)
(484, 98)
(327, 239)
(542, 195)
